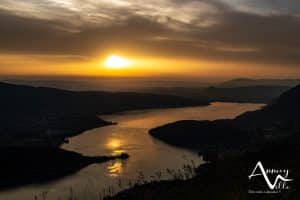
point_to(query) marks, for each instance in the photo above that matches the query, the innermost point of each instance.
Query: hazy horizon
(139, 84)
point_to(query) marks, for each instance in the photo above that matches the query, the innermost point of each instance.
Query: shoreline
(23, 166)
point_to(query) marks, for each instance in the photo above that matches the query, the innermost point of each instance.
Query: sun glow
(116, 62)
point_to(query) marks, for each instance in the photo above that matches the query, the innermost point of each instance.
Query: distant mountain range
(235, 90)
(244, 82)
(254, 94)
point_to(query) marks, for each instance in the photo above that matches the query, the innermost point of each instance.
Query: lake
(148, 156)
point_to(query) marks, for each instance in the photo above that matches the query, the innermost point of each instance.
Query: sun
(116, 62)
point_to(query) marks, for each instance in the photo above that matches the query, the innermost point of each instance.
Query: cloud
(262, 31)
(265, 7)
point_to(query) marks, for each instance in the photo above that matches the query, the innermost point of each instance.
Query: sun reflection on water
(115, 145)
(115, 169)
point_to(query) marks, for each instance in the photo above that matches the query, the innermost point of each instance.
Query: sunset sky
(192, 38)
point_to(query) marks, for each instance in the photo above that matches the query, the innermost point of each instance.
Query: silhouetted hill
(273, 122)
(289, 99)
(200, 135)
(281, 114)
(45, 116)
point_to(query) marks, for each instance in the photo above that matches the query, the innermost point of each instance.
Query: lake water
(147, 155)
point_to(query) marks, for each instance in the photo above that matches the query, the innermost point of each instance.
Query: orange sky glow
(138, 67)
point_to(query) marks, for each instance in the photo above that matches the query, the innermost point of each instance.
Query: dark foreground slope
(270, 135)
(41, 116)
(227, 179)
